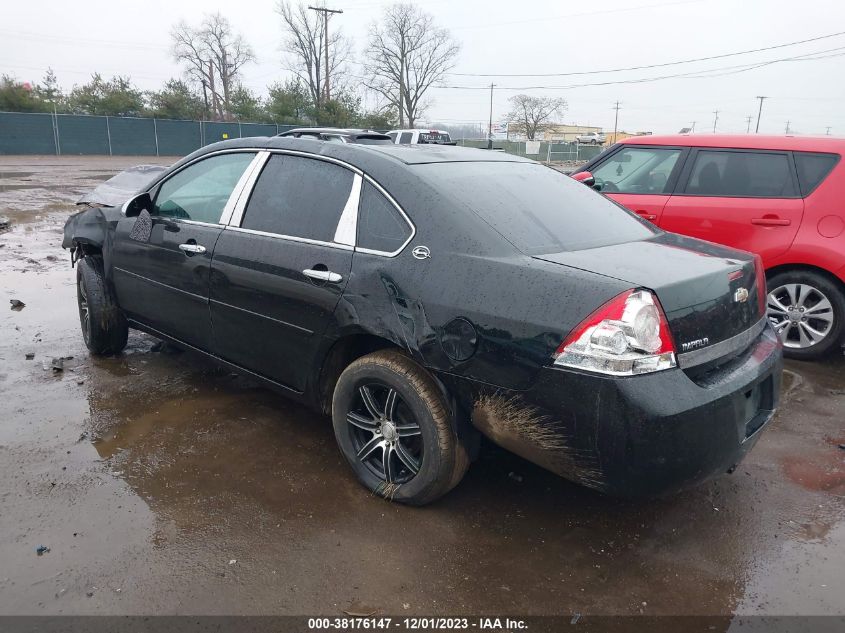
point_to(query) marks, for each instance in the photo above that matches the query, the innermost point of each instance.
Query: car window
(433, 137)
(392, 136)
(380, 225)
(535, 208)
(405, 137)
(637, 170)
(745, 174)
(812, 169)
(200, 192)
(299, 197)
(332, 138)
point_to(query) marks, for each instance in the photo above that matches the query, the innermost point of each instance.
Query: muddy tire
(808, 311)
(394, 426)
(103, 325)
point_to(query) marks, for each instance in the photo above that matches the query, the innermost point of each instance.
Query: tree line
(405, 54)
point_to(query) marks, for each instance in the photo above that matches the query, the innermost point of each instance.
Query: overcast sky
(506, 37)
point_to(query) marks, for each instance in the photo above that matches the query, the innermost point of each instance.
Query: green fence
(547, 152)
(63, 134)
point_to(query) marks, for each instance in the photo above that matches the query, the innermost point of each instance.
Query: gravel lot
(163, 485)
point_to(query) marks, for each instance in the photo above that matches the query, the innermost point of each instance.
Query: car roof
(744, 141)
(328, 130)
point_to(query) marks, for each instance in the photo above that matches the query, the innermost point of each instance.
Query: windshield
(536, 208)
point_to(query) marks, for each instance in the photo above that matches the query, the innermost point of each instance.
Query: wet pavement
(164, 485)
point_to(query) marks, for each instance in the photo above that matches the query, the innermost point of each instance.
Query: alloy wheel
(386, 436)
(801, 314)
(84, 311)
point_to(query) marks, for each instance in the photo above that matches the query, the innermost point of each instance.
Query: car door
(640, 177)
(163, 281)
(281, 265)
(748, 199)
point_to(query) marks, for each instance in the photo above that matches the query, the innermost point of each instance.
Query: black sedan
(424, 295)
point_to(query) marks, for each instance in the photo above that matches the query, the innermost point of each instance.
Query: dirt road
(163, 485)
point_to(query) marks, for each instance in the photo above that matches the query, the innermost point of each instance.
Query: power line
(675, 63)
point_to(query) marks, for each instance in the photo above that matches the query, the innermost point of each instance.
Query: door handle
(646, 215)
(322, 275)
(771, 221)
(191, 248)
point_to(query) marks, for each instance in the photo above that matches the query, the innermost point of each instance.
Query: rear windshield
(536, 208)
(434, 137)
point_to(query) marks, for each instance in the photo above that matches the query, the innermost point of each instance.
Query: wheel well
(85, 249)
(342, 353)
(785, 268)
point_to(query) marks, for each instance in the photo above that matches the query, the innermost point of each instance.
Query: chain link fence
(65, 134)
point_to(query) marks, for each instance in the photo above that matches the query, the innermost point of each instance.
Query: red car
(781, 197)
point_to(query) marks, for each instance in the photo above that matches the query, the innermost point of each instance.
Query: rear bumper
(640, 435)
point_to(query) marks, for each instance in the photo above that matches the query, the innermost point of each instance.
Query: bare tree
(214, 56)
(533, 114)
(305, 50)
(406, 55)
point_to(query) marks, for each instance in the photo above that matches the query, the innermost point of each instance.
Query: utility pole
(787, 128)
(490, 123)
(692, 130)
(748, 121)
(759, 112)
(716, 120)
(325, 13)
(616, 122)
(827, 131)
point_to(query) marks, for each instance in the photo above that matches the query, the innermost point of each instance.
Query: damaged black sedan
(425, 295)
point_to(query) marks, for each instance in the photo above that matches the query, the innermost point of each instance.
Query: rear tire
(808, 311)
(104, 327)
(394, 427)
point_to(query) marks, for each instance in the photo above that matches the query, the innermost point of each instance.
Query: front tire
(808, 311)
(104, 327)
(395, 428)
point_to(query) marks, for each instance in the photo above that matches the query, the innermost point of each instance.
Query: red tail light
(762, 292)
(627, 335)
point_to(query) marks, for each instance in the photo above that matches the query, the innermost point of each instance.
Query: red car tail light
(762, 292)
(628, 335)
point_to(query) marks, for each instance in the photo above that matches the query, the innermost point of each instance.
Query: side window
(201, 191)
(637, 170)
(405, 137)
(812, 169)
(380, 226)
(299, 197)
(744, 174)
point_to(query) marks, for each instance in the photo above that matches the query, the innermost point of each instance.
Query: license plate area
(756, 406)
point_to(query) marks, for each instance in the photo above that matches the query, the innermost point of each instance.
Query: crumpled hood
(118, 189)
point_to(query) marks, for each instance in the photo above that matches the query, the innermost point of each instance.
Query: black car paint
(506, 311)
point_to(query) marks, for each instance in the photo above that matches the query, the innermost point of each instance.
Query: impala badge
(696, 344)
(741, 295)
(421, 252)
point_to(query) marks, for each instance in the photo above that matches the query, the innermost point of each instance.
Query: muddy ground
(164, 485)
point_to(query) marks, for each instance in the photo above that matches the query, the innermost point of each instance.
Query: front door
(163, 281)
(640, 178)
(278, 273)
(747, 199)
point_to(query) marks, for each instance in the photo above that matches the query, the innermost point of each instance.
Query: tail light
(628, 335)
(762, 292)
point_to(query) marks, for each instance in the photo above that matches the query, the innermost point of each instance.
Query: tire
(803, 304)
(426, 458)
(104, 327)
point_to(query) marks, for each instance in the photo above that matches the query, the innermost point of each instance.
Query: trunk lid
(708, 291)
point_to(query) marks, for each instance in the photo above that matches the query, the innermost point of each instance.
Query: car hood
(118, 189)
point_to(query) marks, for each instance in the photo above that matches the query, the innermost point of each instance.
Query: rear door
(748, 199)
(281, 265)
(640, 177)
(163, 282)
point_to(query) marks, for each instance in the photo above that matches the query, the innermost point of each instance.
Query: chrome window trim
(401, 211)
(347, 225)
(249, 176)
(244, 194)
(722, 348)
(291, 238)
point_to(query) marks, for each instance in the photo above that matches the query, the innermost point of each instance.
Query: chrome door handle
(192, 248)
(322, 275)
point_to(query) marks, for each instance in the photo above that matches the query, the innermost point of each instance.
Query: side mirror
(585, 177)
(132, 208)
